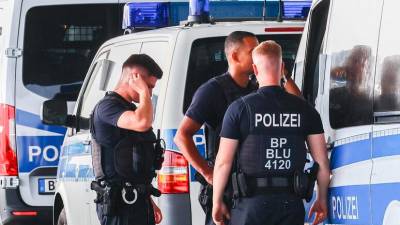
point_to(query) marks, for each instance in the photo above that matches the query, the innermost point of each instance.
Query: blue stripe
(349, 205)
(32, 120)
(199, 140)
(386, 146)
(350, 153)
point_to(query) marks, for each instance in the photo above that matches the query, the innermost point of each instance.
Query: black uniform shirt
(105, 119)
(271, 126)
(209, 103)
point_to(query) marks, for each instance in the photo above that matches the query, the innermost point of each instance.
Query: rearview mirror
(55, 112)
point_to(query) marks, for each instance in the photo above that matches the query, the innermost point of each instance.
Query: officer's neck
(265, 81)
(124, 94)
(240, 78)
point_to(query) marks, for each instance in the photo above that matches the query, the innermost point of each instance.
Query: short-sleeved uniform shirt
(209, 103)
(271, 126)
(105, 119)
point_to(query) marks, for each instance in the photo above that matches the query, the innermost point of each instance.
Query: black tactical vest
(231, 92)
(275, 143)
(132, 159)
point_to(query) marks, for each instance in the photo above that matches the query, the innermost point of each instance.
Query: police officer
(209, 105)
(266, 133)
(123, 147)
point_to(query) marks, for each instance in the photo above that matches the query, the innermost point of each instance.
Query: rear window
(207, 60)
(60, 43)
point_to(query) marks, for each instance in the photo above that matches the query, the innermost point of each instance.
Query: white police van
(189, 56)
(349, 67)
(46, 47)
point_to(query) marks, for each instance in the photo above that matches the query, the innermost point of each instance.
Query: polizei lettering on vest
(277, 119)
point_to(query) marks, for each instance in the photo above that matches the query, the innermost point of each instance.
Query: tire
(62, 218)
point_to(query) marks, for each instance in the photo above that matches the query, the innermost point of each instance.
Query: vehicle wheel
(62, 218)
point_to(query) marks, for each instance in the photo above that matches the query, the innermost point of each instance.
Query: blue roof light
(146, 15)
(296, 9)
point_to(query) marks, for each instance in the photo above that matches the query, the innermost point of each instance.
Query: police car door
(385, 180)
(351, 55)
(75, 168)
(50, 37)
(311, 61)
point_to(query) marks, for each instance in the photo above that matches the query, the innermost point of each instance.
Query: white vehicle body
(352, 46)
(188, 56)
(44, 45)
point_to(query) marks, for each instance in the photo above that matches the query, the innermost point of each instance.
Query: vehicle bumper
(10, 201)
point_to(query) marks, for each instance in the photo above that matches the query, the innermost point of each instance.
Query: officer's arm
(291, 87)
(222, 168)
(184, 140)
(141, 119)
(316, 143)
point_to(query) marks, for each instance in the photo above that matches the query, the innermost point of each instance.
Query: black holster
(304, 182)
(109, 196)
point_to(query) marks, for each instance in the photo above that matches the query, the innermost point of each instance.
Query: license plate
(47, 186)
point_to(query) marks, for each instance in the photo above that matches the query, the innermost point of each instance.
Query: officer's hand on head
(320, 209)
(220, 213)
(137, 83)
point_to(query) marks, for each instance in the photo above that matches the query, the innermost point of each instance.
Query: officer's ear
(235, 56)
(255, 69)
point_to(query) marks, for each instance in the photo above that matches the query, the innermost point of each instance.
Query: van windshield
(207, 60)
(60, 43)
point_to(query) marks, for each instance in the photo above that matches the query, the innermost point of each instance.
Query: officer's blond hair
(270, 51)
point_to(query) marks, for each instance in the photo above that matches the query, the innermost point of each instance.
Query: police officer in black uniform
(265, 133)
(125, 151)
(209, 105)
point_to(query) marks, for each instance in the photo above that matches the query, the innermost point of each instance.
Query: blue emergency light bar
(199, 11)
(296, 9)
(145, 15)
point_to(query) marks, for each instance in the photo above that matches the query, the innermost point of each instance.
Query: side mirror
(55, 112)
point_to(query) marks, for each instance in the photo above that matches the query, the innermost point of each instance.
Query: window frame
(85, 87)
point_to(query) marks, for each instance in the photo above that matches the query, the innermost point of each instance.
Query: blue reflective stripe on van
(349, 205)
(38, 151)
(32, 120)
(76, 163)
(39, 144)
(198, 138)
(345, 154)
(358, 151)
(386, 146)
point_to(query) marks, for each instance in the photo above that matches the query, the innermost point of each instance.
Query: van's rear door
(59, 40)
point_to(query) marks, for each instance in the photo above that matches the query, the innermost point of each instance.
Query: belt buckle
(124, 192)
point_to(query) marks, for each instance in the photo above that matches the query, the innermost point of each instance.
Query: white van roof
(211, 29)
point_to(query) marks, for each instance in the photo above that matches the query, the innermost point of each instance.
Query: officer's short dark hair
(144, 61)
(236, 38)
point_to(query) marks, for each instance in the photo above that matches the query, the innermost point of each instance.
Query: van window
(59, 45)
(352, 46)
(207, 60)
(93, 92)
(315, 42)
(387, 80)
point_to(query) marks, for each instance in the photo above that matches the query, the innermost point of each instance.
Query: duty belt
(129, 191)
(266, 185)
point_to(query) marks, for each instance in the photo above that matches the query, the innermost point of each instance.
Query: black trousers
(274, 209)
(140, 213)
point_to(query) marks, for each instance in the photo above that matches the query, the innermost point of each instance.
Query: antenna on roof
(280, 12)
(264, 10)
